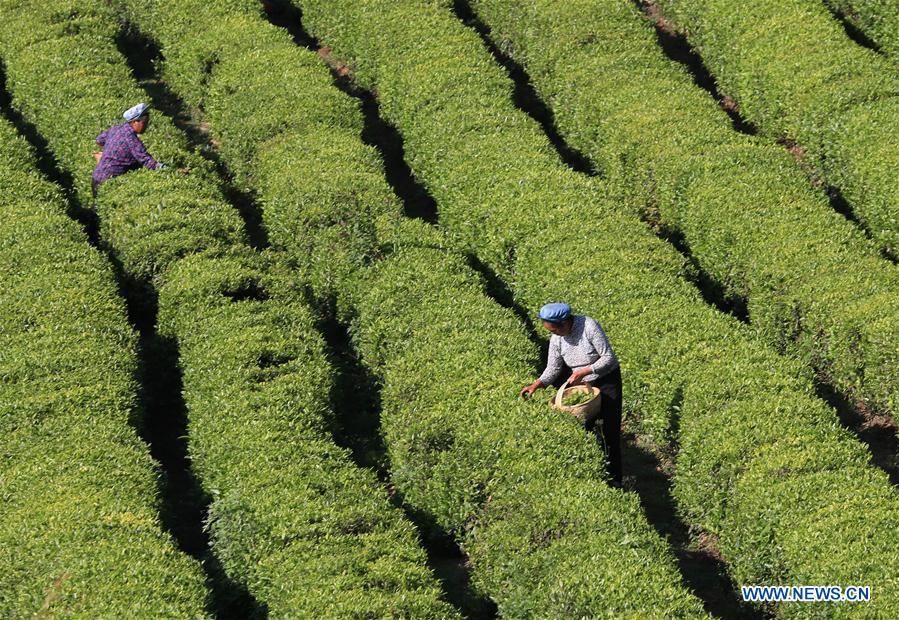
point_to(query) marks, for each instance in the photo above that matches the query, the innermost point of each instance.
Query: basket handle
(559, 394)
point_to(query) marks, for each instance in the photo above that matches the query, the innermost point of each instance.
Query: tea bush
(695, 378)
(795, 74)
(462, 449)
(520, 484)
(746, 211)
(292, 517)
(80, 534)
(875, 18)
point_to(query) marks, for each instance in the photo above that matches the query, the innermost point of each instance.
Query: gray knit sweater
(585, 345)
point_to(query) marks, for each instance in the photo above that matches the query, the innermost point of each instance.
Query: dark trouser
(608, 425)
(94, 185)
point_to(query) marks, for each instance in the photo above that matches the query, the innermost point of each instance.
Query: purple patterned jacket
(122, 151)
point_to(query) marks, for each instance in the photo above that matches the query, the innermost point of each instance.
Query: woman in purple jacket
(122, 148)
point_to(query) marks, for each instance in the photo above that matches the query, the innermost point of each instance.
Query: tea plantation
(279, 377)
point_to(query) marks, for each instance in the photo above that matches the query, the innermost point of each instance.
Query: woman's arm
(554, 362)
(139, 151)
(606, 361)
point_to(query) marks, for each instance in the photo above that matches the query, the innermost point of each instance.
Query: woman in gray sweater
(579, 346)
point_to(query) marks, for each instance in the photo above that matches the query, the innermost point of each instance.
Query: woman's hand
(97, 156)
(529, 390)
(578, 375)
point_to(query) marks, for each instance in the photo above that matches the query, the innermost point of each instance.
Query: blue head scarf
(132, 114)
(555, 313)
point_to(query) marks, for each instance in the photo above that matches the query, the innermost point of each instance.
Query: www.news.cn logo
(807, 594)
